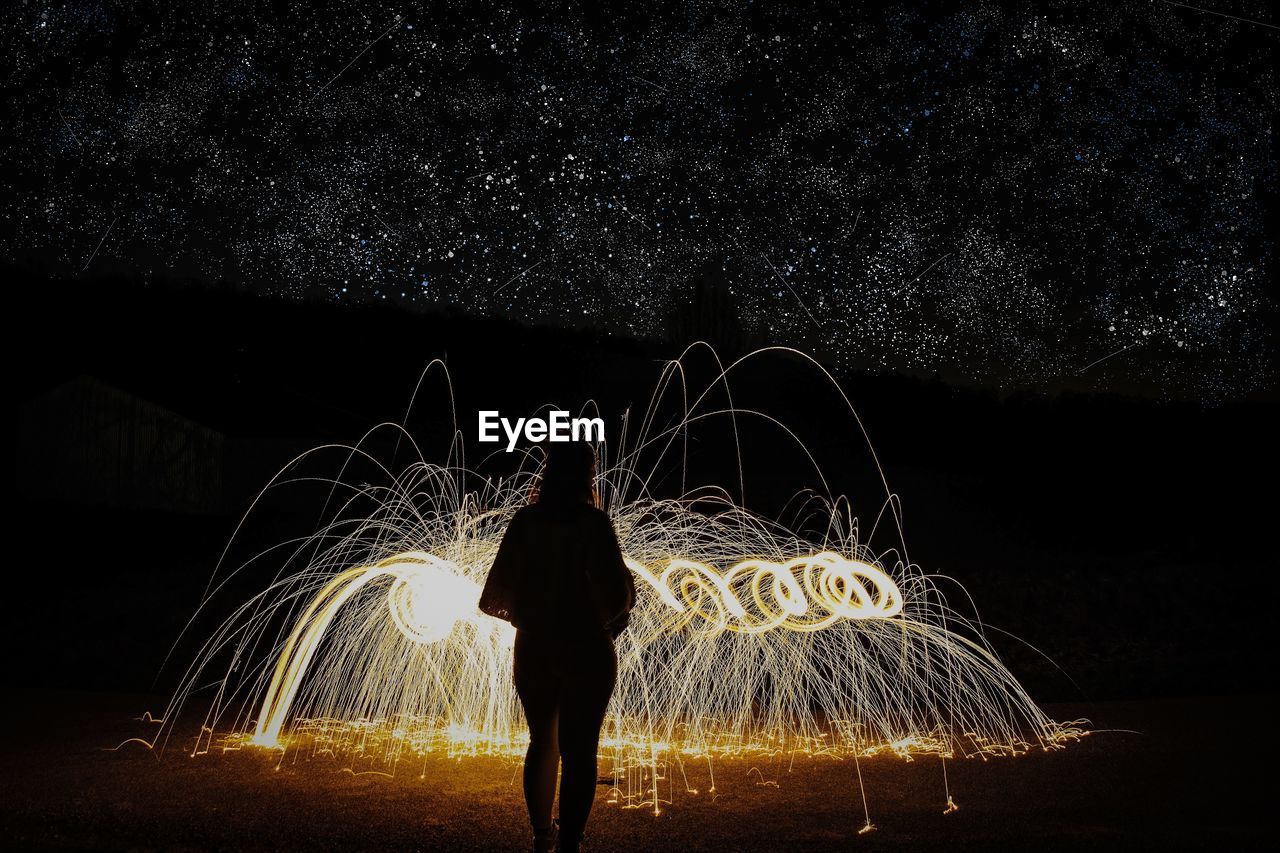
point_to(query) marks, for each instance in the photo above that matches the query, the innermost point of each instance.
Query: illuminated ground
(1187, 782)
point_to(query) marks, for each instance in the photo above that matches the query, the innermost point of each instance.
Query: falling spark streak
(390, 230)
(747, 638)
(910, 288)
(625, 210)
(69, 130)
(518, 275)
(1221, 14)
(650, 82)
(1109, 356)
(99, 246)
(357, 56)
(793, 293)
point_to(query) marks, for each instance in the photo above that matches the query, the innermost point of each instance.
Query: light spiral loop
(746, 637)
(806, 593)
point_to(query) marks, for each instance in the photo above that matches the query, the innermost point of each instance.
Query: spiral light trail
(746, 637)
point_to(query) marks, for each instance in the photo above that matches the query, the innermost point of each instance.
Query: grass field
(1156, 775)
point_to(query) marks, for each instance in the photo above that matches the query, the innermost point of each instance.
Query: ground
(1184, 774)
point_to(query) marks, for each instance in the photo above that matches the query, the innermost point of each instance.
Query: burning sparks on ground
(747, 638)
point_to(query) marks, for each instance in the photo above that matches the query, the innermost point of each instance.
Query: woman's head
(569, 475)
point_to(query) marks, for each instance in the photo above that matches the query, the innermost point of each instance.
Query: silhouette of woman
(559, 578)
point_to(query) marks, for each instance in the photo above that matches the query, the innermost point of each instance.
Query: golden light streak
(430, 596)
(748, 638)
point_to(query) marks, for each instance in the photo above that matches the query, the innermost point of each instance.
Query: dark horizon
(43, 291)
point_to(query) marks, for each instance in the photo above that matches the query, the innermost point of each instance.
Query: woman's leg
(539, 690)
(584, 698)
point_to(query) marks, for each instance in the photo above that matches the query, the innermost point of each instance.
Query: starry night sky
(1014, 193)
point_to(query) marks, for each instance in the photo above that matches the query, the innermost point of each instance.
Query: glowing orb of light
(429, 596)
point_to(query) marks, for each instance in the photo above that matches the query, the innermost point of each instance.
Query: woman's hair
(569, 474)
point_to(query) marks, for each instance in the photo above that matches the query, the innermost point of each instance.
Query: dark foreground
(1196, 776)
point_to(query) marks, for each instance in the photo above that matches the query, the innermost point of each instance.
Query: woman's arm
(620, 586)
(497, 599)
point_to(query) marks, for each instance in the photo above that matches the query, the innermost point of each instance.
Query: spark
(69, 130)
(747, 639)
(650, 82)
(520, 274)
(628, 212)
(793, 293)
(100, 242)
(910, 288)
(1109, 356)
(1221, 14)
(397, 20)
(393, 232)
(430, 596)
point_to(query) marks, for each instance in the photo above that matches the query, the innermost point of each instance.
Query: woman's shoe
(547, 840)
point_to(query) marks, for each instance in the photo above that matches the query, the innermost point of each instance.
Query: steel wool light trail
(747, 637)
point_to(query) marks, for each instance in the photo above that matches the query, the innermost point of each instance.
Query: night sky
(1013, 193)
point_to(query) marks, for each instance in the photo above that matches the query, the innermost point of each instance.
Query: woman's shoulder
(523, 516)
(600, 519)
